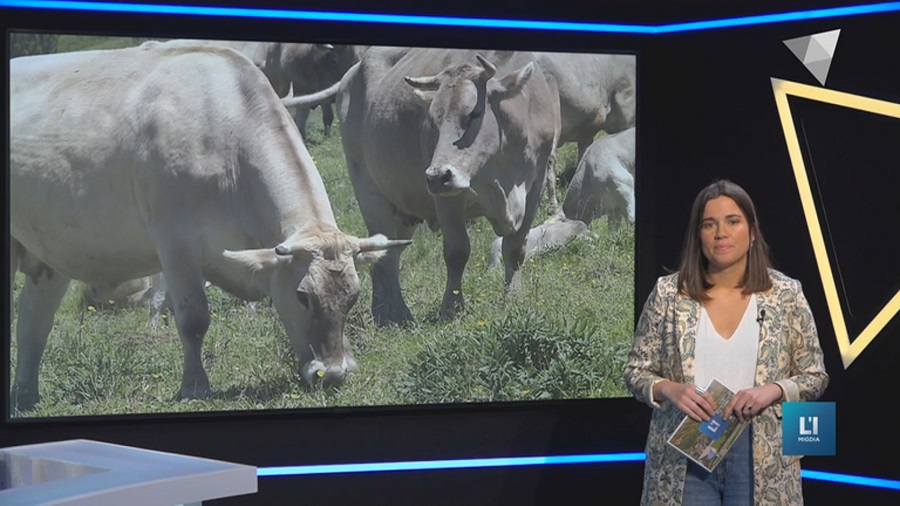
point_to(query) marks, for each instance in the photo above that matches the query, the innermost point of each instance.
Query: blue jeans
(729, 484)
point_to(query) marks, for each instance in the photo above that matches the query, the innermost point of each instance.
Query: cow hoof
(23, 400)
(197, 392)
(385, 317)
(452, 307)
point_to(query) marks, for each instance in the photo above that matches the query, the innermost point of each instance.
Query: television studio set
(234, 279)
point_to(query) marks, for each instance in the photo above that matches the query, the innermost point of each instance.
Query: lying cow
(444, 136)
(177, 159)
(550, 235)
(148, 292)
(604, 181)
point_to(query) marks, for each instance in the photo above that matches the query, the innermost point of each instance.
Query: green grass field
(567, 338)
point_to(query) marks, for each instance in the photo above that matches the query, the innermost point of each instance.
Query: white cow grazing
(604, 181)
(177, 159)
(443, 136)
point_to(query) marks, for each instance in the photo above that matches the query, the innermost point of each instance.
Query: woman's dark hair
(692, 279)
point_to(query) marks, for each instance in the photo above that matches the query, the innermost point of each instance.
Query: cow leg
(550, 186)
(513, 246)
(38, 302)
(14, 249)
(184, 283)
(388, 305)
(583, 144)
(158, 299)
(382, 217)
(457, 248)
(301, 114)
(624, 182)
(327, 118)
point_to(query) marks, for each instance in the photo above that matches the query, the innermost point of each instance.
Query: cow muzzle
(446, 180)
(317, 373)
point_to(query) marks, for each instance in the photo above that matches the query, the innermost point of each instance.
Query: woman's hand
(690, 399)
(750, 402)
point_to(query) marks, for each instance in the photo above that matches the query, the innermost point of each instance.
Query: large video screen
(212, 226)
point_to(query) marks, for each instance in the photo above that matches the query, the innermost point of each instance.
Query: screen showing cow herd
(227, 226)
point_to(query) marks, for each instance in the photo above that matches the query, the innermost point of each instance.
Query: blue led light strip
(566, 26)
(428, 465)
(765, 19)
(435, 465)
(302, 15)
(851, 480)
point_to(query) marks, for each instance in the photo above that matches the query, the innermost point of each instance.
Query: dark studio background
(706, 111)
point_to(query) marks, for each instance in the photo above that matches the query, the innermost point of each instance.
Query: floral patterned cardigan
(789, 354)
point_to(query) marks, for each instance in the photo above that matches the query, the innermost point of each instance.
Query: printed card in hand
(706, 443)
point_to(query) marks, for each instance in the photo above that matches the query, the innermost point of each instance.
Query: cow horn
(313, 99)
(489, 68)
(380, 242)
(423, 83)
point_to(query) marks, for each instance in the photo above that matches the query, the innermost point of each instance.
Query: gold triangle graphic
(783, 89)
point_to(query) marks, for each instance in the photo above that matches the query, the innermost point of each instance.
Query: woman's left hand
(750, 402)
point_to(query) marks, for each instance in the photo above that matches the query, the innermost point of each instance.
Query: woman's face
(725, 235)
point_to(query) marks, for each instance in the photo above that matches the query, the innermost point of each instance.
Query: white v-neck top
(731, 361)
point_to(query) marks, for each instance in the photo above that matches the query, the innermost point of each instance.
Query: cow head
(466, 126)
(313, 282)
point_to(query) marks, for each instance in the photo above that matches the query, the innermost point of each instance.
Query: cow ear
(425, 97)
(368, 258)
(512, 84)
(257, 260)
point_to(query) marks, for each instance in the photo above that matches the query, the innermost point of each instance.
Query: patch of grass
(526, 355)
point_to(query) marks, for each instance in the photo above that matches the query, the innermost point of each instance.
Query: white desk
(98, 474)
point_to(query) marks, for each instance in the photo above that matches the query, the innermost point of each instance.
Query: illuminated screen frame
(577, 330)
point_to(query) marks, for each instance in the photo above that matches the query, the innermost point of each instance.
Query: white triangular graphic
(798, 46)
(819, 69)
(828, 40)
(815, 52)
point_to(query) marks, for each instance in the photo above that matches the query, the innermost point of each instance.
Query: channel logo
(808, 428)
